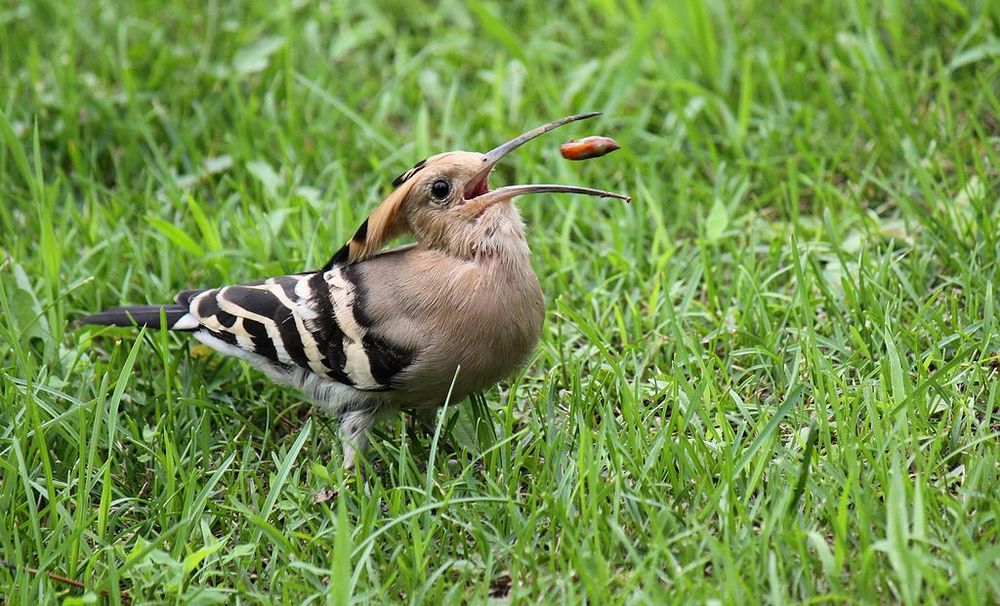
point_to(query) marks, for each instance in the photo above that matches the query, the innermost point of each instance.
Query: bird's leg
(423, 422)
(423, 419)
(354, 426)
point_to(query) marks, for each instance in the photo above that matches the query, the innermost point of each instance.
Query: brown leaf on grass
(500, 586)
(324, 495)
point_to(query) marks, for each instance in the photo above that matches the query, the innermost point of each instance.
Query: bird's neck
(495, 237)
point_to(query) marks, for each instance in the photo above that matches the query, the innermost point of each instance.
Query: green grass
(774, 376)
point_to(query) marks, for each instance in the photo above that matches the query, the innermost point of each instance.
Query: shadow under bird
(374, 332)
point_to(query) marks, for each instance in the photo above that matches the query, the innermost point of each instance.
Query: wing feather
(315, 322)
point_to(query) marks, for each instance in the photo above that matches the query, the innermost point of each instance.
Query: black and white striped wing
(311, 321)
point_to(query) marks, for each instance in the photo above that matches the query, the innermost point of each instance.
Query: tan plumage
(371, 333)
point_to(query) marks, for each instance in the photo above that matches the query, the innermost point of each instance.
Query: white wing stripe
(300, 310)
(243, 337)
(356, 363)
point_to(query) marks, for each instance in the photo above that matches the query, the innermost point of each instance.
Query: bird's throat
(497, 233)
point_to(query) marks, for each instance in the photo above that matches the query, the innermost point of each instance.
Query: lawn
(774, 376)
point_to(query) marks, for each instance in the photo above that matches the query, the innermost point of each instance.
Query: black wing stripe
(226, 319)
(185, 296)
(359, 304)
(255, 300)
(208, 306)
(290, 336)
(299, 342)
(226, 337)
(338, 375)
(251, 314)
(327, 333)
(287, 285)
(373, 360)
(386, 361)
(262, 342)
(262, 305)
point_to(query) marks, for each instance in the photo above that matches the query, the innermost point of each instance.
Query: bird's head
(443, 198)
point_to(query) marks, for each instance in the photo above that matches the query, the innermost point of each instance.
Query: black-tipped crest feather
(403, 178)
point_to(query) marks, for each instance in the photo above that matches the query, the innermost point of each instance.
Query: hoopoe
(375, 332)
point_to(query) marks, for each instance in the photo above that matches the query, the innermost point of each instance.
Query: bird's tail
(176, 316)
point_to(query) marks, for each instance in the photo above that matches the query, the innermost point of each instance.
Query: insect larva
(588, 147)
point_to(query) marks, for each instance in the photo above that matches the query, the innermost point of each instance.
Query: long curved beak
(510, 191)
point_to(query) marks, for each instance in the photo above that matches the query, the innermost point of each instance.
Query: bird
(376, 331)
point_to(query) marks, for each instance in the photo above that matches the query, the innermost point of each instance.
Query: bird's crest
(383, 225)
(403, 178)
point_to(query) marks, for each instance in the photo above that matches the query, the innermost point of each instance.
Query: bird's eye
(440, 189)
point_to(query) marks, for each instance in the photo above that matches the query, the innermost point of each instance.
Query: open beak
(478, 187)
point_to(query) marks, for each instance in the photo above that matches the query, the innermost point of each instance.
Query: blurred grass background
(773, 376)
